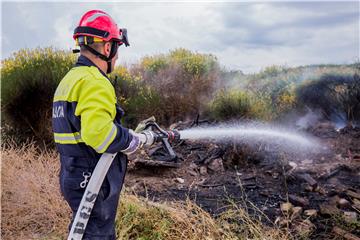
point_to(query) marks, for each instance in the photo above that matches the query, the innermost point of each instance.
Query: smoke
(319, 93)
(336, 95)
(239, 81)
(307, 73)
(311, 118)
(339, 119)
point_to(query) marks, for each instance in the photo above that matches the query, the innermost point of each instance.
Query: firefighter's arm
(96, 108)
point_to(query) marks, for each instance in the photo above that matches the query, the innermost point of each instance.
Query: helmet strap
(96, 53)
(109, 68)
(114, 48)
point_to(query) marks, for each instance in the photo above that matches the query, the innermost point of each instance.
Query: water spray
(246, 133)
(250, 134)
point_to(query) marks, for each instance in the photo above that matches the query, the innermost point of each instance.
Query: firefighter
(86, 122)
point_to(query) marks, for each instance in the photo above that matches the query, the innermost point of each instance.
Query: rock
(203, 170)
(343, 203)
(344, 234)
(286, 207)
(310, 212)
(350, 217)
(327, 209)
(216, 165)
(309, 179)
(180, 180)
(300, 201)
(296, 212)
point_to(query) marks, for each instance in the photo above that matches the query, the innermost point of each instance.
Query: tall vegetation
(336, 96)
(278, 91)
(179, 85)
(28, 82)
(230, 104)
(172, 86)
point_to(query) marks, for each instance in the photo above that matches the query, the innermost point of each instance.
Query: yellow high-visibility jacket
(86, 117)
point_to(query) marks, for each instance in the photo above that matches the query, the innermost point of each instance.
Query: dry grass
(32, 207)
(31, 202)
(237, 223)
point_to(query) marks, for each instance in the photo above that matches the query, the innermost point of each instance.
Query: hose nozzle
(173, 135)
(163, 136)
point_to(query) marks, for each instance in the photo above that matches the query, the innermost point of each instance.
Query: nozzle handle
(164, 137)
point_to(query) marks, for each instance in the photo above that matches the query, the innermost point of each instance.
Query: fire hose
(97, 178)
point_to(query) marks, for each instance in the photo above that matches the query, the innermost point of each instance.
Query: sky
(244, 36)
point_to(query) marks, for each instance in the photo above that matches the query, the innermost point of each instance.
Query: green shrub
(28, 82)
(138, 100)
(231, 104)
(154, 63)
(173, 86)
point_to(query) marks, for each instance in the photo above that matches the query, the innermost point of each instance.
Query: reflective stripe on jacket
(86, 118)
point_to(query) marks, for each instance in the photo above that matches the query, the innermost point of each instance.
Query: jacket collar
(84, 61)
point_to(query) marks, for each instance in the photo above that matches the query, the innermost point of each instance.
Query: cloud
(268, 24)
(258, 35)
(246, 36)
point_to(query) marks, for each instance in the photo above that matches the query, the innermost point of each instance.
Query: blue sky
(243, 35)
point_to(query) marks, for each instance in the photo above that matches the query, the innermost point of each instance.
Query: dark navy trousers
(101, 224)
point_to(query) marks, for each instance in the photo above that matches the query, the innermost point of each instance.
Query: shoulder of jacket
(78, 73)
(95, 76)
(95, 73)
(83, 72)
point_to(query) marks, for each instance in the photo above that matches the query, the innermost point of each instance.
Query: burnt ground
(213, 175)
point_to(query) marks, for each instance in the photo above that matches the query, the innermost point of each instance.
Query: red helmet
(99, 24)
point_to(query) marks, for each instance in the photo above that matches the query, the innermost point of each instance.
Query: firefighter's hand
(146, 137)
(141, 126)
(150, 137)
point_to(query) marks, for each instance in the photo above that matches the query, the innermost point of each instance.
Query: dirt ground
(322, 190)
